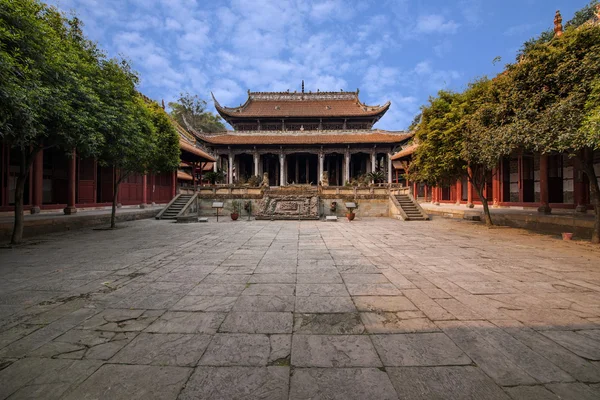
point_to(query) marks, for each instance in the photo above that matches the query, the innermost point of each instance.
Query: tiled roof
(184, 176)
(407, 151)
(185, 146)
(298, 137)
(321, 104)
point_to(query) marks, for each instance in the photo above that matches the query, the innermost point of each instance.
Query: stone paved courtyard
(373, 309)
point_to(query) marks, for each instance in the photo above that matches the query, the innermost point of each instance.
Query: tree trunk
(24, 167)
(484, 203)
(479, 184)
(113, 215)
(588, 168)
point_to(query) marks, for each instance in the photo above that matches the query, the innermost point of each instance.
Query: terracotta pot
(350, 216)
(567, 235)
(235, 216)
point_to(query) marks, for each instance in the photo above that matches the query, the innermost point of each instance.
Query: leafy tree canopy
(191, 111)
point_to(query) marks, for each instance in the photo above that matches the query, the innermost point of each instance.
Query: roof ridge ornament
(302, 85)
(558, 28)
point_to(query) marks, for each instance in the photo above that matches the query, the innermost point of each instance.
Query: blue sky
(397, 50)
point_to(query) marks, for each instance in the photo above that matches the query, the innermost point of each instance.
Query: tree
(139, 137)
(453, 141)
(190, 111)
(555, 101)
(47, 96)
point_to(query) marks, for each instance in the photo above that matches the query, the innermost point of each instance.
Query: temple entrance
(333, 166)
(302, 168)
(244, 167)
(270, 164)
(360, 164)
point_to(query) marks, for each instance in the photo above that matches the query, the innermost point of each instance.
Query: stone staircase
(175, 207)
(410, 208)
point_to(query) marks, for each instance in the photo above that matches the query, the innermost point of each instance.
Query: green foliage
(582, 16)
(377, 176)
(554, 94)
(48, 92)
(190, 111)
(236, 206)
(215, 177)
(438, 160)
(47, 80)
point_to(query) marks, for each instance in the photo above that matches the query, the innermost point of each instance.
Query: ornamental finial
(558, 28)
(302, 85)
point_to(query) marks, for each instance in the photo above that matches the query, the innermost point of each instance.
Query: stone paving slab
(291, 310)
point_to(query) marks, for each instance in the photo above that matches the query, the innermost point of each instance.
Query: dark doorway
(246, 167)
(555, 179)
(271, 166)
(302, 168)
(527, 179)
(333, 167)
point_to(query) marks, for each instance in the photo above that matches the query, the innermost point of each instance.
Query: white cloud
(435, 23)
(263, 45)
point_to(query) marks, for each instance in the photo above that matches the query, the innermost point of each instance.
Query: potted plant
(235, 210)
(215, 177)
(350, 214)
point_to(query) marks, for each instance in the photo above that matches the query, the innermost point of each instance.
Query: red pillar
(144, 191)
(496, 186)
(470, 192)
(425, 192)
(458, 191)
(194, 166)
(71, 185)
(544, 206)
(37, 182)
(173, 184)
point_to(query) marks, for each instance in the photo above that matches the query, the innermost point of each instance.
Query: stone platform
(283, 310)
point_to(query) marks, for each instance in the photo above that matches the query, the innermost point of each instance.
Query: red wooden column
(425, 190)
(71, 185)
(496, 186)
(470, 192)
(144, 191)
(37, 183)
(193, 175)
(544, 206)
(173, 184)
(458, 191)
